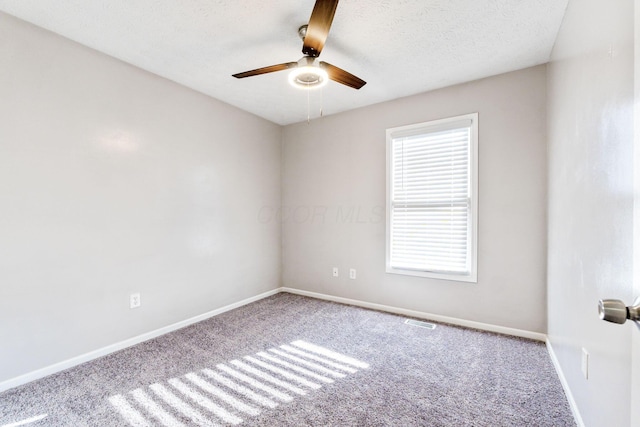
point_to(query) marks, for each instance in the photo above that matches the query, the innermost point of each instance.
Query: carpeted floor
(293, 361)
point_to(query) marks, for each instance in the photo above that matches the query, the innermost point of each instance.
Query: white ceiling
(400, 47)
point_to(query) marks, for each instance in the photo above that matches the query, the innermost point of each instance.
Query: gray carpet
(294, 361)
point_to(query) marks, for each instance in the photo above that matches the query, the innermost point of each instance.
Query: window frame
(472, 246)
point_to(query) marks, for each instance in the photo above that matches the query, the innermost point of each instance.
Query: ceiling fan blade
(341, 76)
(265, 70)
(319, 25)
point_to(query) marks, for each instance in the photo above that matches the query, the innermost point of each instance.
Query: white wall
(113, 180)
(590, 97)
(334, 203)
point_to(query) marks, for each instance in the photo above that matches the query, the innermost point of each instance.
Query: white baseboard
(421, 315)
(565, 385)
(74, 361)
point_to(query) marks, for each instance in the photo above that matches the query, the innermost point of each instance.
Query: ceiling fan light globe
(308, 77)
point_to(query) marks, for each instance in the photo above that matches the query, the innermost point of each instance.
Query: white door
(635, 328)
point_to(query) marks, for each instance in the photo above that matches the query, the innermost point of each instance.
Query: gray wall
(334, 203)
(113, 180)
(590, 121)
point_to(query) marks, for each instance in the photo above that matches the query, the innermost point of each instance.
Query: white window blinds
(431, 207)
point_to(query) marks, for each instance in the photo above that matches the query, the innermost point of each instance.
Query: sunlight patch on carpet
(284, 397)
(268, 378)
(318, 359)
(215, 391)
(155, 409)
(238, 389)
(244, 391)
(26, 421)
(330, 354)
(312, 365)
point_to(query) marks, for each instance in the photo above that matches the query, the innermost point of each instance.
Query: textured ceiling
(400, 47)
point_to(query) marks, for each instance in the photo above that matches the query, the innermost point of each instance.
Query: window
(432, 199)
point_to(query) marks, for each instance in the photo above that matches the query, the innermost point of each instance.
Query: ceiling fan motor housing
(308, 74)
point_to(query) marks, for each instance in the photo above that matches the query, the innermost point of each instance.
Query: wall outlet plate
(134, 300)
(352, 273)
(335, 271)
(585, 363)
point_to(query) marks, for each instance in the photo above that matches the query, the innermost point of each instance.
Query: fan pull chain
(321, 101)
(308, 109)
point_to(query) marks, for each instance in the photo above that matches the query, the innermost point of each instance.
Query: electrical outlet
(134, 300)
(335, 271)
(352, 274)
(585, 363)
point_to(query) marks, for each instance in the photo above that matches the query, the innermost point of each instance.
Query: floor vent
(420, 324)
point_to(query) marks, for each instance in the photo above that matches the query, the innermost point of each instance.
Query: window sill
(469, 278)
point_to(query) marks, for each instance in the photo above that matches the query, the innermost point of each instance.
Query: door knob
(615, 311)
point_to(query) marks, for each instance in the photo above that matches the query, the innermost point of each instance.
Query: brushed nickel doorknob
(615, 311)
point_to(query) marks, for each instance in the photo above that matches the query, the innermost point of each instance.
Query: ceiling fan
(308, 71)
